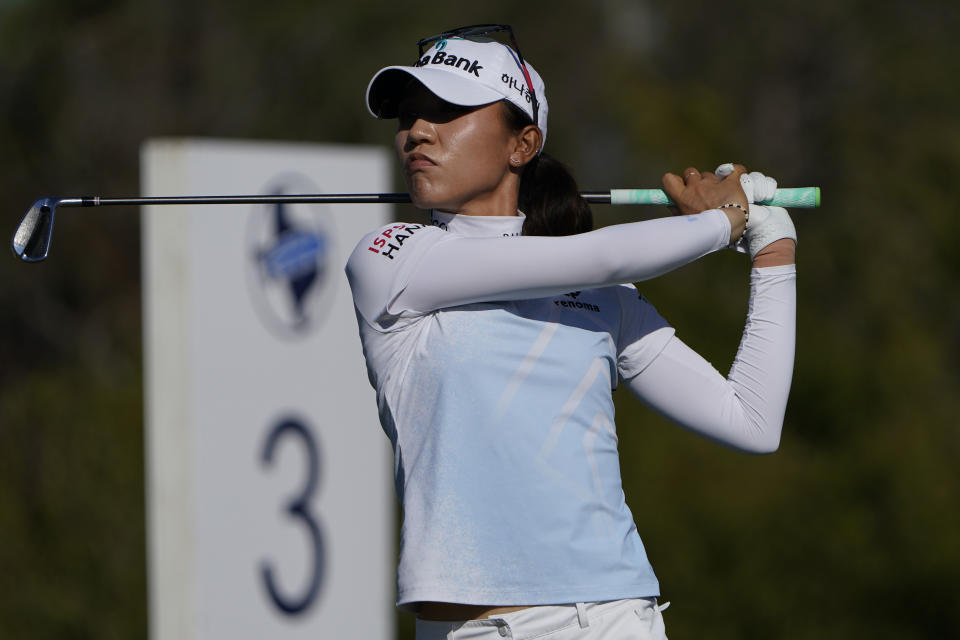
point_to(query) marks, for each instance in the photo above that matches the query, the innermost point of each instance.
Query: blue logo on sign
(290, 254)
(296, 261)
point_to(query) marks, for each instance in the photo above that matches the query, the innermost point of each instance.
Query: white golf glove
(758, 187)
(766, 224)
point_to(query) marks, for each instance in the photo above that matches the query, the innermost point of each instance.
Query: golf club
(31, 240)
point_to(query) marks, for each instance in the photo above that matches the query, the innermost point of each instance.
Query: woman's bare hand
(696, 191)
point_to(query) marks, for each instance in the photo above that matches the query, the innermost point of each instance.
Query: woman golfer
(494, 337)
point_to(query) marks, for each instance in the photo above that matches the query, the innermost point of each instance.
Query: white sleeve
(643, 333)
(380, 266)
(433, 269)
(745, 410)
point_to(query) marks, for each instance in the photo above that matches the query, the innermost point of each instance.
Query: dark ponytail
(549, 195)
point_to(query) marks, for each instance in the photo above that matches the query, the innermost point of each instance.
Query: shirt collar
(479, 226)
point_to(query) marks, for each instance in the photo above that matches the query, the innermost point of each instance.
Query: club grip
(797, 197)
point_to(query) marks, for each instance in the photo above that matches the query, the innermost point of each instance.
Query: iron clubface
(31, 241)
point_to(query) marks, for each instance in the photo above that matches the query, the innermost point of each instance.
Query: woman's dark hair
(549, 195)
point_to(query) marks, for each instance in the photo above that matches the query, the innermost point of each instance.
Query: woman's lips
(419, 161)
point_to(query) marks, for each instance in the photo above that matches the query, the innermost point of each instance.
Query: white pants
(633, 619)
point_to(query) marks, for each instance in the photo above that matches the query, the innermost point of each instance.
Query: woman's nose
(420, 131)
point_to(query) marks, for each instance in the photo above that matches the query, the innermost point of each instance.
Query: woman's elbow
(765, 448)
(759, 432)
(761, 444)
(751, 441)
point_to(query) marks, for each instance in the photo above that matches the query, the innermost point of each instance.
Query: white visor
(466, 72)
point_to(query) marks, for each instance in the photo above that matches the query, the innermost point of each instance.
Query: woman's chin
(427, 199)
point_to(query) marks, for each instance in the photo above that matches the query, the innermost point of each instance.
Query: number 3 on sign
(299, 509)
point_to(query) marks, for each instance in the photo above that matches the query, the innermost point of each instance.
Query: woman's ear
(528, 143)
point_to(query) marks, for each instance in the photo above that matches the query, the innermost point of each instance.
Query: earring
(514, 161)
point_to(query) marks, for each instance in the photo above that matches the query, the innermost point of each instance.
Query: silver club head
(31, 241)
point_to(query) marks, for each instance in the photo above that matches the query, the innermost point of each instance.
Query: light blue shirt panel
(514, 405)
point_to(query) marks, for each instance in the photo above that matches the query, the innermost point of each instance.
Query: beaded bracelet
(746, 213)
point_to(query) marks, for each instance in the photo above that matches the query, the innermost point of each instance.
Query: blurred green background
(851, 530)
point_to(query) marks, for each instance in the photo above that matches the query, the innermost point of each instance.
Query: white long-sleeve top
(493, 357)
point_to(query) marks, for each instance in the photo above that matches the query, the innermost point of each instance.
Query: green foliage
(71, 505)
(851, 529)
